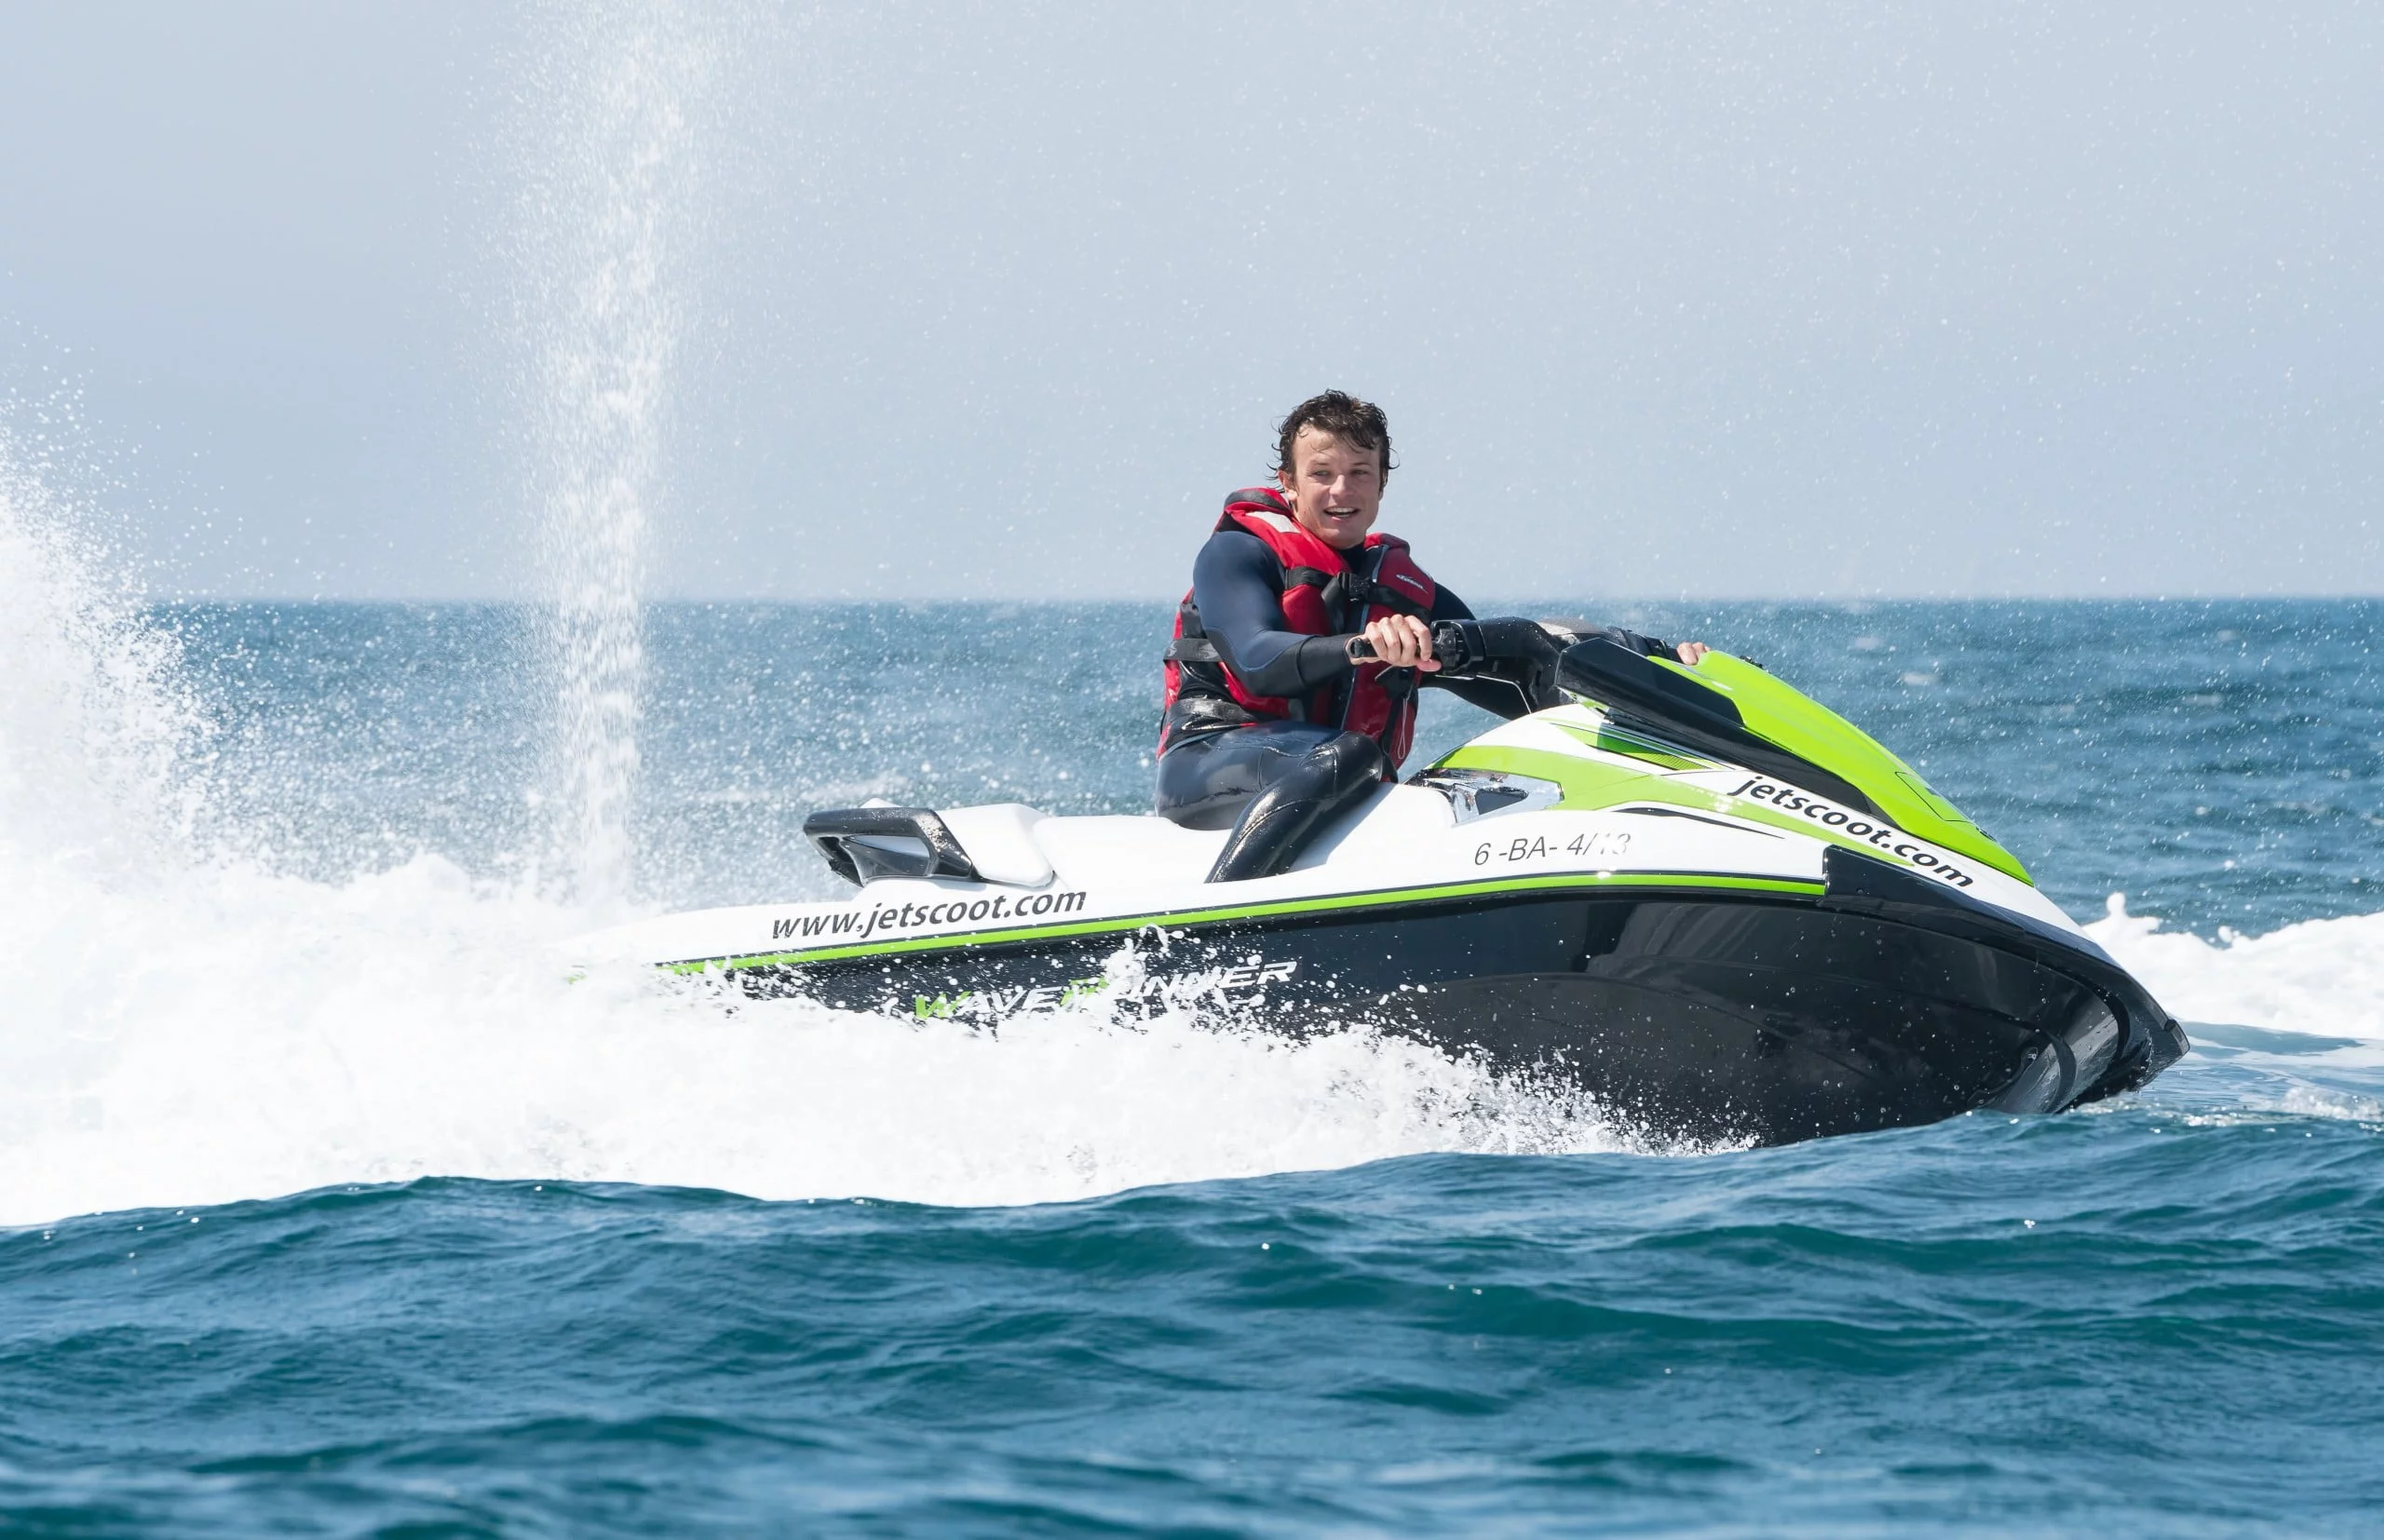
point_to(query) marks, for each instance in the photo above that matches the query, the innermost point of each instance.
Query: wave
(2318, 978)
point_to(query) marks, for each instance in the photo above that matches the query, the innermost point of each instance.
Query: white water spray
(608, 232)
(192, 1029)
(92, 725)
(180, 1026)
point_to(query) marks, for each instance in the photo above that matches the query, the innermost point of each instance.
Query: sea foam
(2319, 976)
(229, 1034)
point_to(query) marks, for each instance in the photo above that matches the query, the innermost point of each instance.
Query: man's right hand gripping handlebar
(1455, 645)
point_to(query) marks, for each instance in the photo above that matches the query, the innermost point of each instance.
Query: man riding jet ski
(1291, 684)
(1668, 879)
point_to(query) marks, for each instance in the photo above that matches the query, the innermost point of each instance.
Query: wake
(192, 1025)
(2321, 978)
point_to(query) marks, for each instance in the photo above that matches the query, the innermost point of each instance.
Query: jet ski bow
(1722, 910)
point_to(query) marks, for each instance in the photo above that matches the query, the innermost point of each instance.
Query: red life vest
(1326, 592)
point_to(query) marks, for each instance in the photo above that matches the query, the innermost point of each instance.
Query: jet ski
(1719, 909)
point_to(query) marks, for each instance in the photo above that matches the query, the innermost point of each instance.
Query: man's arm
(1238, 585)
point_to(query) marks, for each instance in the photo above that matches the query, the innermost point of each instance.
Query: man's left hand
(1691, 650)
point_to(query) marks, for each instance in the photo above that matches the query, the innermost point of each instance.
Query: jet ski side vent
(1484, 793)
(862, 844)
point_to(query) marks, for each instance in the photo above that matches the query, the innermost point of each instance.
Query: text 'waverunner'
(1720, 908)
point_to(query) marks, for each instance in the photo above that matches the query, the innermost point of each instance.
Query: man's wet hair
(1344, 416)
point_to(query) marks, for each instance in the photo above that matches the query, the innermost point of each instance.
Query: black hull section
(1723, 1016)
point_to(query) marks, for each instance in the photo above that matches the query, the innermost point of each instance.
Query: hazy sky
(1000, 299)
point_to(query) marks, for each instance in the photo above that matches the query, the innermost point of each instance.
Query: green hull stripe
(1252, 912)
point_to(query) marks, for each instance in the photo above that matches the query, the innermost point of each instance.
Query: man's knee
(1351, 758)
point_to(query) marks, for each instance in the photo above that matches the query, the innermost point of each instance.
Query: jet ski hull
(1723, 1016)
(1714, 948)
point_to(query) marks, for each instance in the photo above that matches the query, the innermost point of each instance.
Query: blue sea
(332, 1208)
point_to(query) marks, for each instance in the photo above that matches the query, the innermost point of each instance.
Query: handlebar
(1456, 644)
(1464, 646)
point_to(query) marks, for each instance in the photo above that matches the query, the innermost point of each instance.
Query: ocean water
(329, 1207)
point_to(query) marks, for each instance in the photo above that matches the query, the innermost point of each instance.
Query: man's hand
(1403, 641)
(1691, 650)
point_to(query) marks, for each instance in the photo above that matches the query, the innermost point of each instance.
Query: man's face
(1335, 488)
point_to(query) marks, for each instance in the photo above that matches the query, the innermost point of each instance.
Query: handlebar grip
(1456, 644)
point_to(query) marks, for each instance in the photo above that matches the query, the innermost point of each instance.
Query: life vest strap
(1348, 589)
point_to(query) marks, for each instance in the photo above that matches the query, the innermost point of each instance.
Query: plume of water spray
(608, 232)
(94, 725)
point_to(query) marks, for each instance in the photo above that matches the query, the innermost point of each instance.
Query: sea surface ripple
(2136, 1320)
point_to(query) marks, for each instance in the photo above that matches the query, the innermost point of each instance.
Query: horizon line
(422, 601)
